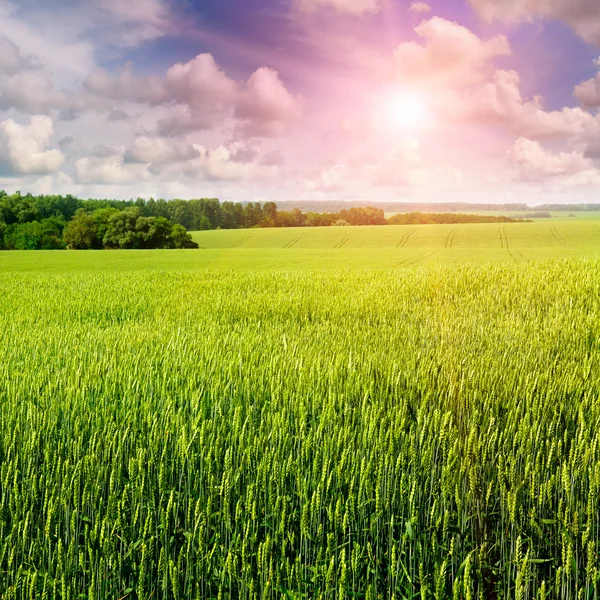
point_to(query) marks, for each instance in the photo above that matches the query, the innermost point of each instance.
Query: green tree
(181, 238)
(80, 233)
(101, 219)
(154, 232)
(121, 231)
(35, 235)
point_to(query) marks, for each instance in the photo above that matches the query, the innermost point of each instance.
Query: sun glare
(406, 110)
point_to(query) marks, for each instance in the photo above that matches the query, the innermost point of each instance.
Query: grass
(175, 428)
(388, 247)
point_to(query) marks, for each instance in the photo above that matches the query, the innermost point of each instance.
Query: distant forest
(53, 222)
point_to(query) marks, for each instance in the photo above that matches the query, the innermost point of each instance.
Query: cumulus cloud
(450, 55)
(32, 91)
(160, 150)
(500, 100)
(583, 16)
(126, 86)
(420, 8)
(536, 164)
(402, 166)
(588, 92)
(26, 148)
(200, 95)
(352, 7)
(266, 107)
(455, 68)
(110, 169)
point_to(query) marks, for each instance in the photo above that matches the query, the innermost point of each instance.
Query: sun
(406, 110)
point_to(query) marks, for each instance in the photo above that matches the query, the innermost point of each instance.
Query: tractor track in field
(293, 242)
(343, 242)
(450, 238)
(415, 259)
(557, 236)
(522, 255)
(405, 238)
(238, 244)
(504, 242)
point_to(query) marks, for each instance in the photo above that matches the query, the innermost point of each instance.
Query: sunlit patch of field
(202, 433)
(385, 247)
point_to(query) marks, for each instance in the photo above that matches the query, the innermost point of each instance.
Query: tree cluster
(50, 222)
(125, 229)
(58, 222)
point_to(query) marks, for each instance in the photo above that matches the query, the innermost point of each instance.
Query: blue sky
(302, 99)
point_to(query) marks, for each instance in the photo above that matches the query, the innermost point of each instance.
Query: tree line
(55, 221)
(58, 222)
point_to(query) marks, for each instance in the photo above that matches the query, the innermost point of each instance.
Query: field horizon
(365, 247)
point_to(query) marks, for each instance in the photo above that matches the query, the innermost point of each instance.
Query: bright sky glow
(302, 99)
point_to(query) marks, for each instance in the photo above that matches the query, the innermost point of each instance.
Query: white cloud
(402, 167)
(126, 87)
(266, 107)
(143, 20)
(48, 40)
(451, 55)
(32, 91)
(109, 170)
(535, 163)
(588, 92)
(202, 87)
(352, 7)
(583, 16)
(420, 8)
(500, 100)
(25, 148)
(160, 150)
(201, 96)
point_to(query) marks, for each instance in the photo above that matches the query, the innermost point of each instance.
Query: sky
(258, 100)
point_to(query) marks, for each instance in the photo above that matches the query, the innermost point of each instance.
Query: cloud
(352, 7)
(110, 169)
(200, 96)
(243, 151)
(32, 92)
(274, 158)
(126, 87)
(25, 148)
(266, 107)
(142, 20)
(401, 167)
(420, 8)
(500, 100)
(118, 115)
(455, 70)
(160, 150)
(583, 16)
(536, 164)
(404, 166)
(11, 59)
(67, 141)
(588, 92)
(451, 55)
(201, 87)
